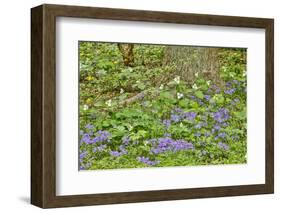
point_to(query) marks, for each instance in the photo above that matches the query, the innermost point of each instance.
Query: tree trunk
(127, 53)
(190, 62)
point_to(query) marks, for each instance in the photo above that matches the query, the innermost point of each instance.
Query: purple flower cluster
(230, 83)
(175, 118)
(83, 155)
(169, 144)
(221, 135)
(115, 153)
(178, 115)
(81, 159)
(230, 91)
(89, 126)
(100, 148)
(167, 123)
(189, 115)
(216, 88)
(221, 115)
(200, 125)
(86, 138)
(126, 140)
(100, 136)
(147, 161)
(122, 151)
(223, 146)
(207, 97)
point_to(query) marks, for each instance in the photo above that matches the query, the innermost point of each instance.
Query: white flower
(121, 90)
(196, 74)
(177, 79)
(179, 95)
(161, 86)
(108, 103)
(85, 107)
(130, 127)
(194, 86)
(208, 83)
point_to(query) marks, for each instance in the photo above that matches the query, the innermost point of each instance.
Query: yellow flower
(89, 101)
(90, 78)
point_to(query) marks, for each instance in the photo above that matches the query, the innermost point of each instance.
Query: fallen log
(140, 96)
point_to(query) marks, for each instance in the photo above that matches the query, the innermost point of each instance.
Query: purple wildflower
(89, 126)
(217, 127)
(228, 84)
(164, 144)
(198, 126)
(126, 140)
(167, 135)
(102, 136)
(152, 141)
(221, 115)
(99, 148)
(86, 138)
(175, 118)
(216, 88)
(224, 124)
(169, 144)
(167, 123)
(147, 161)
(123, 149)
(189, 115)
(115, 153)
(235, 81)
(181, 145)
(178, 110)
(207, 97)
(223, 146)
(200, 102)
(83, 155)
(230, 91)
(222, 135)
(192, 97)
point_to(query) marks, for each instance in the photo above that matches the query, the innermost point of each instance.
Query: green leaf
(183, 103)
(199, 94)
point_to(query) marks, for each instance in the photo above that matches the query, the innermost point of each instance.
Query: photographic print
(156, 100)
(147, 105)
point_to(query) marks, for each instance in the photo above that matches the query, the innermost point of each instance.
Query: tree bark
(127, 53)
(190, 62)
